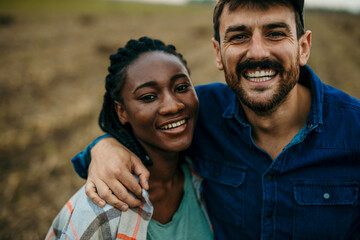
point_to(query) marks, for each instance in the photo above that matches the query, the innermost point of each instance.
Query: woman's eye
(148, 98)
(182, 88)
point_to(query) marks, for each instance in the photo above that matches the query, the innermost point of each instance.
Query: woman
(150, 106)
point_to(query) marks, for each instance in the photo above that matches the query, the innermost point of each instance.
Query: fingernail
(102, 203)
(147, 184)
(123, 208)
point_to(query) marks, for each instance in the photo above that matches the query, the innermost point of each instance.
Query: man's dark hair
(260, 4)
(114, 83)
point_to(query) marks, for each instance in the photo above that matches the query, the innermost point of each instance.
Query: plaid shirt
(80, 218)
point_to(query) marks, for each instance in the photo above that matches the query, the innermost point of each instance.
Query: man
(279, 150)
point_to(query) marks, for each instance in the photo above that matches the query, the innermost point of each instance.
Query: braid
(114, 82)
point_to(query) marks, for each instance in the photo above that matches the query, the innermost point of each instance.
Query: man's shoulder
(215, 96)
(341, 117)
(212, 89)
(327, 95)
(335, 99)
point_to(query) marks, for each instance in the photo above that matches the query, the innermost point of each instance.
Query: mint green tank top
(188, 222)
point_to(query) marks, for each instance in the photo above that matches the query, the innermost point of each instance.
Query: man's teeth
(260, 76)
(173, 125)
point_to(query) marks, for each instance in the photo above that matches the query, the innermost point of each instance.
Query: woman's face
(159, 103)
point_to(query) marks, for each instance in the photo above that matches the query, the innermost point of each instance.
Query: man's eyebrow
(154, 83)
(277, 25)
(235, 29)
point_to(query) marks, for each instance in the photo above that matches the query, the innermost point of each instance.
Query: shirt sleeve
(80, 218)
(82, 160)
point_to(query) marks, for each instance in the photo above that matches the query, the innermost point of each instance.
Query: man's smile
(259, 75)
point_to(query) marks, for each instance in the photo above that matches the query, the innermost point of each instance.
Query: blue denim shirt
(310, 191)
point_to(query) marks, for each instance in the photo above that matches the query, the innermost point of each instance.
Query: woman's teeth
(173, 125)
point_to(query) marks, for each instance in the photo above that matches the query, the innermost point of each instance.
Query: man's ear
(121, 113)
(304, 47)
(218, 59)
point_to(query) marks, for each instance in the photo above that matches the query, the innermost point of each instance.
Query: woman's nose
(170, 105)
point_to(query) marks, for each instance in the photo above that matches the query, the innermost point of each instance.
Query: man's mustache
(253, 65)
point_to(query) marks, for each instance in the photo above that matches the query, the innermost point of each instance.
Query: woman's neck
(165, 166)
(166, 184)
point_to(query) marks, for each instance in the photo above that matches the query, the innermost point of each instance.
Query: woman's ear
(304, 48)
(121, 113)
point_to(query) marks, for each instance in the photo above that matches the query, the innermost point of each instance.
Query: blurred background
(53, 62)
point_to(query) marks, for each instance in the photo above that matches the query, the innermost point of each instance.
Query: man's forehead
(248, 14)
(252, 5)
(256, 6)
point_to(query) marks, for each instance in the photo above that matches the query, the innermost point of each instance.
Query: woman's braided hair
(115, 80)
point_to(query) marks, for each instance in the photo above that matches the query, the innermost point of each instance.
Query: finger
(126, 178)
(115, 202)
(106, 194)
(90, 190)
(143, 174)
(123, 195)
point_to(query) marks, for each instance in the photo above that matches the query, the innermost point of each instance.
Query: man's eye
(276, 34)
(238, 37)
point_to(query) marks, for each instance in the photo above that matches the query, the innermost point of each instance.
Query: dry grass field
(53, 62)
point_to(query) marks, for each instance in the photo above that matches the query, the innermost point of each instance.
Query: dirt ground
(53, 62)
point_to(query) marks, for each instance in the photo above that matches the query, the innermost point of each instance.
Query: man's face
(260, 54)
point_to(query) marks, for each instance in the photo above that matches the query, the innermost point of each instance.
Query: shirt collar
(234, 110)
(308, 79)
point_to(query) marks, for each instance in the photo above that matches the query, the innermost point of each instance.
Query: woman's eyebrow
(177, 76)
(147, 84)
(154, 83)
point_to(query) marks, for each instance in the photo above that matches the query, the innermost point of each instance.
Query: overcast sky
(350, 5)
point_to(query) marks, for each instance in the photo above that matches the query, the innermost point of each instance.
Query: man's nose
(171, 105)
(257, 48)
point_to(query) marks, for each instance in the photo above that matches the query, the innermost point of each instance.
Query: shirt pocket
(224, 190)
(324, 210)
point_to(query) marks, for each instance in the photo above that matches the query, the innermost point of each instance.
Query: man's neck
(272, 132)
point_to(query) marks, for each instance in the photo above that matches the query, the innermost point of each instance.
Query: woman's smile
(173, 125)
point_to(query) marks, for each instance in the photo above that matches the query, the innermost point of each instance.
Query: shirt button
(269, 215)
(269, 177)
(326, 196)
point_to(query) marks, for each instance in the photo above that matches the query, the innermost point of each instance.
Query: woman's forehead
(154, 65)
(152, 60)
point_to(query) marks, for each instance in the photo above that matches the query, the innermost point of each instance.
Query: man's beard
(288, 80)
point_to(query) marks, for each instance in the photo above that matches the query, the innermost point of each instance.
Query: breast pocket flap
(326, 193)
(220, 173)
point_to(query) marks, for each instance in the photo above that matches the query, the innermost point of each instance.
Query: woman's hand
(111, 173)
